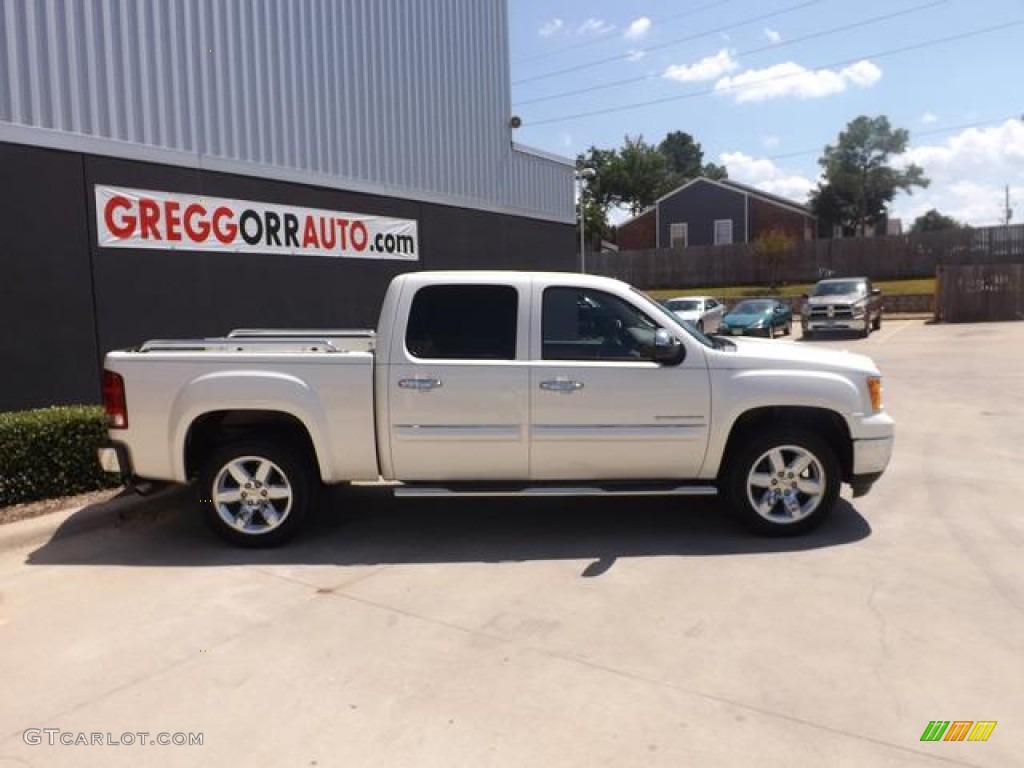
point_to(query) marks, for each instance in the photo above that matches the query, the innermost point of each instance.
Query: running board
(436, 491)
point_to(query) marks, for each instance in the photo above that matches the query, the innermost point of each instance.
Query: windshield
(839, 289)
(673, 321)
(751, 308)
(683, 305)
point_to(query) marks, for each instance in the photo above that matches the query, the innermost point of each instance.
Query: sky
(764, 85)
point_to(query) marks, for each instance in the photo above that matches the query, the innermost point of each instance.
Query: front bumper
(871, 456)
(834, 324)
(872, 450)
(746, 331)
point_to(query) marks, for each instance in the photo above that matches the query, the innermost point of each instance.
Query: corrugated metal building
(355, 109)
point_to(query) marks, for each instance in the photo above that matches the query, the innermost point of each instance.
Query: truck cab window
(584, 324)
(463, 322)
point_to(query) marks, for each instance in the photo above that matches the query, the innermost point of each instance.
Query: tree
(684, 158)
(637, 174)
(596, 197)
(773, 250)
(858, 181)
(933, 221)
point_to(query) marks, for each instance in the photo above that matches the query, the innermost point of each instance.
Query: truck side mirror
(876, 291)
(667, 349)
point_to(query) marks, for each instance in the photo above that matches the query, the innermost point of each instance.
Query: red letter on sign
(200, 233)
(225, 233)
(173, 220)
(309, 236)
(359, 235)
(149, 219)
(127, 226)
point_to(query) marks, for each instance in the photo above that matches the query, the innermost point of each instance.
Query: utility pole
(1007, 210)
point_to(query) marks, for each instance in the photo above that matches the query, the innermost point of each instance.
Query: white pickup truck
(497, 383)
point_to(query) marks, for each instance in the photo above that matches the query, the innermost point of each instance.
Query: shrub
(51, 452)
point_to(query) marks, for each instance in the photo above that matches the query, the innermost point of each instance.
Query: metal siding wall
(399, 95)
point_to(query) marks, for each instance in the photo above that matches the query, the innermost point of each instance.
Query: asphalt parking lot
(559, 632)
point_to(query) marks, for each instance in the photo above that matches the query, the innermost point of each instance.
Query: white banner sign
(138, 218)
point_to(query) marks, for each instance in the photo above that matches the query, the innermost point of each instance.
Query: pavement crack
(563, 656)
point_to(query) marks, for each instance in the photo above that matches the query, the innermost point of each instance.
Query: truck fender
(248, 390)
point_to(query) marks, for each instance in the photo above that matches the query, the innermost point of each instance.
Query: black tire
(788, 328)
(878, 322)
(277, 499)
(752, 469)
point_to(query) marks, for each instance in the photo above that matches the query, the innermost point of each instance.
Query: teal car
(758, 317)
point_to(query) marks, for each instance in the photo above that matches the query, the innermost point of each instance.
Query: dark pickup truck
(842, 304)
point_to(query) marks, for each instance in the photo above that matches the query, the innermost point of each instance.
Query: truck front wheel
(782, 482)
(256, 493)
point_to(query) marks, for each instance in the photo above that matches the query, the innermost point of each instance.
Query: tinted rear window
(463, 322)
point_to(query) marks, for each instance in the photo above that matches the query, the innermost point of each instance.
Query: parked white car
(703, 312)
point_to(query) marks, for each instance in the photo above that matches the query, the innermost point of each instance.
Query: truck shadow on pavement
(367, 526)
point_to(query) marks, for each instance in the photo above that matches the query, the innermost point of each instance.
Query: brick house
(711, 212)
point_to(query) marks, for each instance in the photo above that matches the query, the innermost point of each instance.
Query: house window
(723, 231)
(678, 234)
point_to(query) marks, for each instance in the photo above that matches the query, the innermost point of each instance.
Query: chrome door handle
(422, 385)
(561, 385)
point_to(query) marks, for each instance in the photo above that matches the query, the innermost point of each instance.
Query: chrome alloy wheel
(786, 484)
(252, 495)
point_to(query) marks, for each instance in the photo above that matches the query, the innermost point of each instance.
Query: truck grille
(830, 311)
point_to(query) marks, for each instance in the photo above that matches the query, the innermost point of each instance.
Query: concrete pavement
(559, 632)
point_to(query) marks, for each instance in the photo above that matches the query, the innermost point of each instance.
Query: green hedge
(51, 452)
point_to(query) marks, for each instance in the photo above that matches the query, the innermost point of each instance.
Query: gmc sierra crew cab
(497, 383)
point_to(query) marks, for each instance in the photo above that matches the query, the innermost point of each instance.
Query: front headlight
(858, 310)
(875, 391)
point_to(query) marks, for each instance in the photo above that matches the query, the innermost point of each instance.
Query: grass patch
(923, 285)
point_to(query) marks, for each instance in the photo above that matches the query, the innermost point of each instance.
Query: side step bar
(436, 491)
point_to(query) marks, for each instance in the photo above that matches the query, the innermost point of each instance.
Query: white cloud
(549, 28)
(792, 79)
(707, 68)
(595, 27)
(928, 118)
(765, 175)
(770, 142)
(638, 29)
(863, 73)
(968, 172)
(773, 35)
(635, 55)
(993, 152)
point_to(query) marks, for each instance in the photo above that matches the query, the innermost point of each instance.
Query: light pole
(583, 175)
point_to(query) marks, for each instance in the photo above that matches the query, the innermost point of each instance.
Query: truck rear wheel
(256, 493)
(782, 482)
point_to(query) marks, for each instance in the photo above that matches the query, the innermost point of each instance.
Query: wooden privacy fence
(979, 293)
(880, 258)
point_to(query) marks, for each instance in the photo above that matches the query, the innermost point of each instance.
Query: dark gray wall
(54, 268)
(699, 205)
(48, 346)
